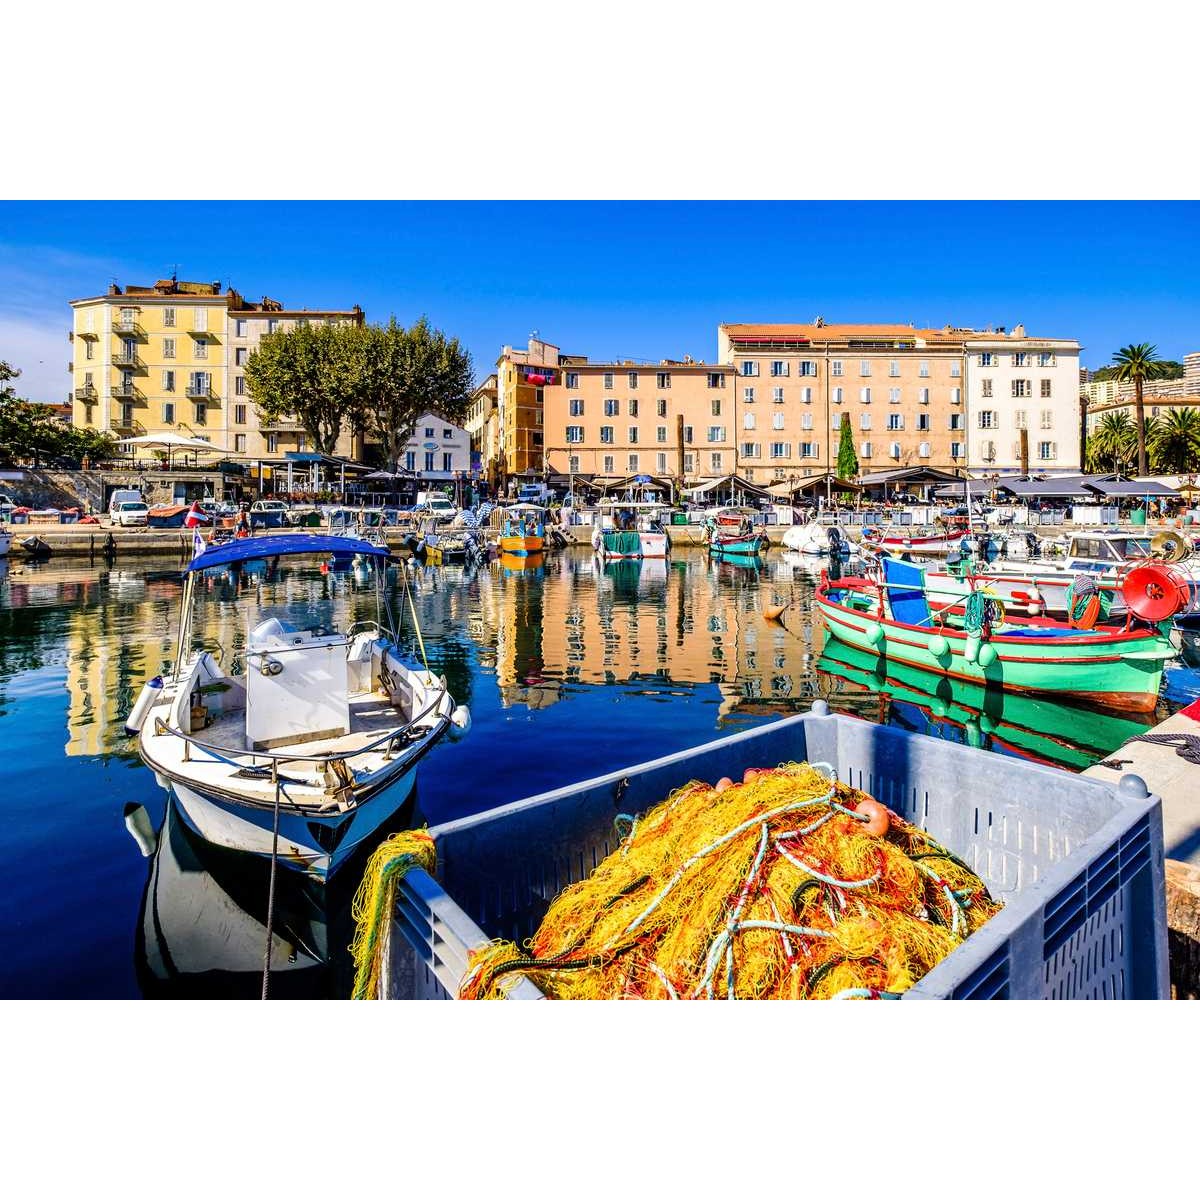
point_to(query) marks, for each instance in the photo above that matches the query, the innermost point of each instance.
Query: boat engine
(1156, 591)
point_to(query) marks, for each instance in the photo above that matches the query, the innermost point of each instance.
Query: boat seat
(906, 592)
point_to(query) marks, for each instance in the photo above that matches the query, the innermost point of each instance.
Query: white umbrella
(171, 442)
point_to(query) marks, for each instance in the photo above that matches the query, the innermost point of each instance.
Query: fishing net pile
(787, 885)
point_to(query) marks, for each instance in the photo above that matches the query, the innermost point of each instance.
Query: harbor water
(570, 668)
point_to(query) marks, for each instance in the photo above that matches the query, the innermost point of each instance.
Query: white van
(122, 496)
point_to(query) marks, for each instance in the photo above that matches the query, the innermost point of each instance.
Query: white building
(1016, 382)
(437, 449)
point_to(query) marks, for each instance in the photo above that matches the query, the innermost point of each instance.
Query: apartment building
(1019, 383)
(522, 377)
(171, 358)
(624, 418)
(482, 422)
(437, 449)
(901, 388)
(1158, 396)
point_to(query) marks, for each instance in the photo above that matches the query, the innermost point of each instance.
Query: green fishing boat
(1119, 666)
(1031, 727)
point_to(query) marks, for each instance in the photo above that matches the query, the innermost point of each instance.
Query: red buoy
(1155, 591)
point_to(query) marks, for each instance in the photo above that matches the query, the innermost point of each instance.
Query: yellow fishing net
(786, 885)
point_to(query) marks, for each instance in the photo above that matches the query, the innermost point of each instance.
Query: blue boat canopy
(243, 549)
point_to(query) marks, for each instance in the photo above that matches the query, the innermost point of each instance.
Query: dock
(1168, 759)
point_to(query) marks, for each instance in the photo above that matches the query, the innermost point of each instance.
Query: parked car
(131, 512)
(535, 493)
(122, 496)
(437, 507)
(269, 506)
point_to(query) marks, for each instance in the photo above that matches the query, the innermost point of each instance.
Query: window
(574, 433)
(1047, 451)
(612, 407)
(1045, 389)
(956, 420)
(956, 370)
(835, 367)
(923, 450)
(687, 434)
(895, 421)
(864, 394)
(806, 420)
(239, 328)
(1021, 387)
(126, 415)
(922, 395)
(200, 320)
(610, 464)
(777, 420)
(239, 414)
(168, 381)
(1047, 418)
(808, 449)
(89, 349)
(410, 459)
(169, 347)
(662, 433)
(716, 379)
(716, 407)
(662, 406)
(168, 318)
(922, 422)
(200, 348)
(864, 420)
(429, 431)
(749, 368)
(923, 368)
(1019, 419)
(239, 356)
(777, 395)
(864, 366)
(837, 395)
(751, 450)
(1020, 359)
(806, 395)
(894, 450)
(573, 463)
(893, 395)
(781, 450)
(608, 381)
(201, 414)
(239, 443)
(633, 381)
(662, 463)
(955, 395)
(987, 359)
(689, 463)
(716, 433)
(864, 449)
(779, 367)
(572, 380)
(633, 406)
(606, 434)
(169, 413)
(956, 449)
(272, 325)
(429, 460)
(664, 379)
(894, 367)
(987, 419)
(985, 388)
(716, 459)
(633, 434)
(576, 406)
(1045, 359)
(748, 395)
(808, 367)
(748, 420)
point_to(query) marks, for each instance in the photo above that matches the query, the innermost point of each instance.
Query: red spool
(1155, 591)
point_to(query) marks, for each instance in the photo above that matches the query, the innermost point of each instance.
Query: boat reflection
(1038, 729)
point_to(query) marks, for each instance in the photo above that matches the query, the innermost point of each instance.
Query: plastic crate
(1078, 863)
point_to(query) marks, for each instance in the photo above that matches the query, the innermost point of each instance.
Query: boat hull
(614, 546)
(1093, 668)
(742, 547)
(521, 546)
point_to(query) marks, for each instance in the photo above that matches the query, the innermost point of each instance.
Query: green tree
(413, 371)
(1170, 370)
(847, 460)
(1136, 363)
(1112, 445)
(1175, 441)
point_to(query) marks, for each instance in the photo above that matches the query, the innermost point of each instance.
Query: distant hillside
(1171, 370)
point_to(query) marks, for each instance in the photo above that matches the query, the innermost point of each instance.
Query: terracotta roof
(842, 333)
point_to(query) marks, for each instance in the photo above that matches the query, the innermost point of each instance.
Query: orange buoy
(1154, 591)
(879, 819)
(724, 783)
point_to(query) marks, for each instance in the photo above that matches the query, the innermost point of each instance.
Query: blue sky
(637, 280)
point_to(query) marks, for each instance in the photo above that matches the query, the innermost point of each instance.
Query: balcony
(127, 328)
(126, 391)
(87, 393)
(199, 391)
(128, 359)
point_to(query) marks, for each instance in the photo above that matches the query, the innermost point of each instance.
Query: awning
(734, 482)
(243, 549)
(1133, 487)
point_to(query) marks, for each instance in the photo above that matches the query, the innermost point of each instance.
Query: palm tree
(1138, 363)
(1114, 442)
(1175, 441)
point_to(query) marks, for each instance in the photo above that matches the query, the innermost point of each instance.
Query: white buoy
(460, 723)
(148, 698)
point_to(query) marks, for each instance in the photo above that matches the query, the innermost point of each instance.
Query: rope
(266, 981)
(412, 608)
(1187, 745)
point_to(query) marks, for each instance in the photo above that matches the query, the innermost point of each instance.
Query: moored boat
(1119, 666)
(523, 530)
(303, 744)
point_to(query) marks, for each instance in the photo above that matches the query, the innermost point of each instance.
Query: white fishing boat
(5, 542)
(301, 745)
(633, 527)
(814, 538)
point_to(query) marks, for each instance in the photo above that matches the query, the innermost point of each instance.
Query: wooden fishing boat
(738, 545)
(917, 541)
(1117, 666)
(523, 530)
(315, 733)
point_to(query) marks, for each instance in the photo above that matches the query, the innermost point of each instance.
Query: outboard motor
(1033, 547)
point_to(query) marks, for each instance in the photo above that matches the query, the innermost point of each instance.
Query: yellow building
(521, 379)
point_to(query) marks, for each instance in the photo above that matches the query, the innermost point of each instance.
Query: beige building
(483, 421)
(621, 418)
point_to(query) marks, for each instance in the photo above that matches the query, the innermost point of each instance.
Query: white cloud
(37, 346)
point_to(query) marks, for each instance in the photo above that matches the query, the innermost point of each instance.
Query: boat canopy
(242, 549)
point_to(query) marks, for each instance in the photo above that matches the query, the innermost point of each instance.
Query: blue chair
(906, 592)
